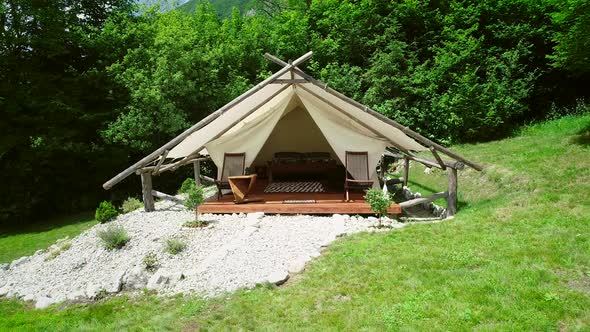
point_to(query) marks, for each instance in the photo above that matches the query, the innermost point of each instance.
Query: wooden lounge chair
(357, 172)
(233, 164)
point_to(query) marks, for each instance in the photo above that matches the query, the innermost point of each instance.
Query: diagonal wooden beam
(131, 169)
(438, 158)
(378, 115)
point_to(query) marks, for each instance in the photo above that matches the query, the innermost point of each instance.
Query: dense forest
(88, 87)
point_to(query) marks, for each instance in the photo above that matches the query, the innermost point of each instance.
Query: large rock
(28, 297)
(296, 266)
(278, 278)
(4, 290)
(19, 261)
(136, 278)
(44, 302)
(76, 295)
(92, 291)
(157, 281)
(116, 284)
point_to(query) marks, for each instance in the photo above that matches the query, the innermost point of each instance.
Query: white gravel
(235, 251)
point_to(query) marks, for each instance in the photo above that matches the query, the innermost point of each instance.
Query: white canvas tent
(283, 100)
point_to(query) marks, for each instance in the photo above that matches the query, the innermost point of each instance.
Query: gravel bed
(234, 251)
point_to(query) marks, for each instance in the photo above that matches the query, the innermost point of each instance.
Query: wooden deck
(325, 203)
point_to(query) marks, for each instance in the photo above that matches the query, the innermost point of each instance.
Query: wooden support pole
(146, 190)
(433, 163)
(406, 171)
(382, 169)
(167, 197)
(197, 166)
(421, 200)
(162, 159)
(452, 197)
(149, 158)
(438, 159)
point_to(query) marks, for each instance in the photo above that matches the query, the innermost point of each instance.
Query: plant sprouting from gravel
(131, 204)
(114, 237)
(150, 261)
(60, 246)
(175, 246)
(106, 211)
(379, 202)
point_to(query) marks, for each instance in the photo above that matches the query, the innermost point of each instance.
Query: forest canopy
(87, 87)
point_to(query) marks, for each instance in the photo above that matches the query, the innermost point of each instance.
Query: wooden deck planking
(326, 203)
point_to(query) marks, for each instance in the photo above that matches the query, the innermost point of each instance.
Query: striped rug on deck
(295, 187)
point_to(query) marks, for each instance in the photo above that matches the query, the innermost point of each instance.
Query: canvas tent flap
(386, 130)
(251, 134)
(201, 137)
(344, 135)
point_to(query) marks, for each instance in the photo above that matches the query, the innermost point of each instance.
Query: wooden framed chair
(233, 164)
(357, 176)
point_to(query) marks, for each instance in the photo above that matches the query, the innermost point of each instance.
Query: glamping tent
(289, 111)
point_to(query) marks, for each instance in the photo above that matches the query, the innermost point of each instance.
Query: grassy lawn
(24, 242)
(516, 257)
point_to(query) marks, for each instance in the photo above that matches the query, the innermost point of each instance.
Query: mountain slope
(223, 7)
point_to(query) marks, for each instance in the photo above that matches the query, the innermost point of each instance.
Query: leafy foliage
(194, 198)
(131, 204)
(379, 201)
(114, 237)
(150, 261)
(187, 185)
(106, 211)
(175, 246)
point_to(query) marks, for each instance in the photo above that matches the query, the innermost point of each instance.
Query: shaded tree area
(88, 87)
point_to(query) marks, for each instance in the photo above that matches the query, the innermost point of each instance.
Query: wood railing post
(146, 190)
(197, 166)
(406, 171)
(452, 198)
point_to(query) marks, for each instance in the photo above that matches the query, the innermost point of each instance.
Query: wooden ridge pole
(119, 177)
(378, 115)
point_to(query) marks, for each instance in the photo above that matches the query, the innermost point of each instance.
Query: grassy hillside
(223, 7)
(516, 257)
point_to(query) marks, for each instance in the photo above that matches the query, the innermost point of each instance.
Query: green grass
(516, 257)
(15, 244)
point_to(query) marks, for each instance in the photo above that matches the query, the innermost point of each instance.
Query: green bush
(379, 201)
(195, 197)
(175, 246)
(150, 261)
(105, 212)
(131, 204)
(114, 237)
(187, 185)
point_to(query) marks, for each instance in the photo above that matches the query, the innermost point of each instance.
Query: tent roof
(280, 89)
(268, 98)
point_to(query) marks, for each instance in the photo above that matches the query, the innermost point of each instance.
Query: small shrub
(114, 237)
(150, 261)
(379, 202)
(175, 246)
(187, 185)
(60, 246)
(195, 197)
(105, 212)
(131, 204)
(195, 223)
